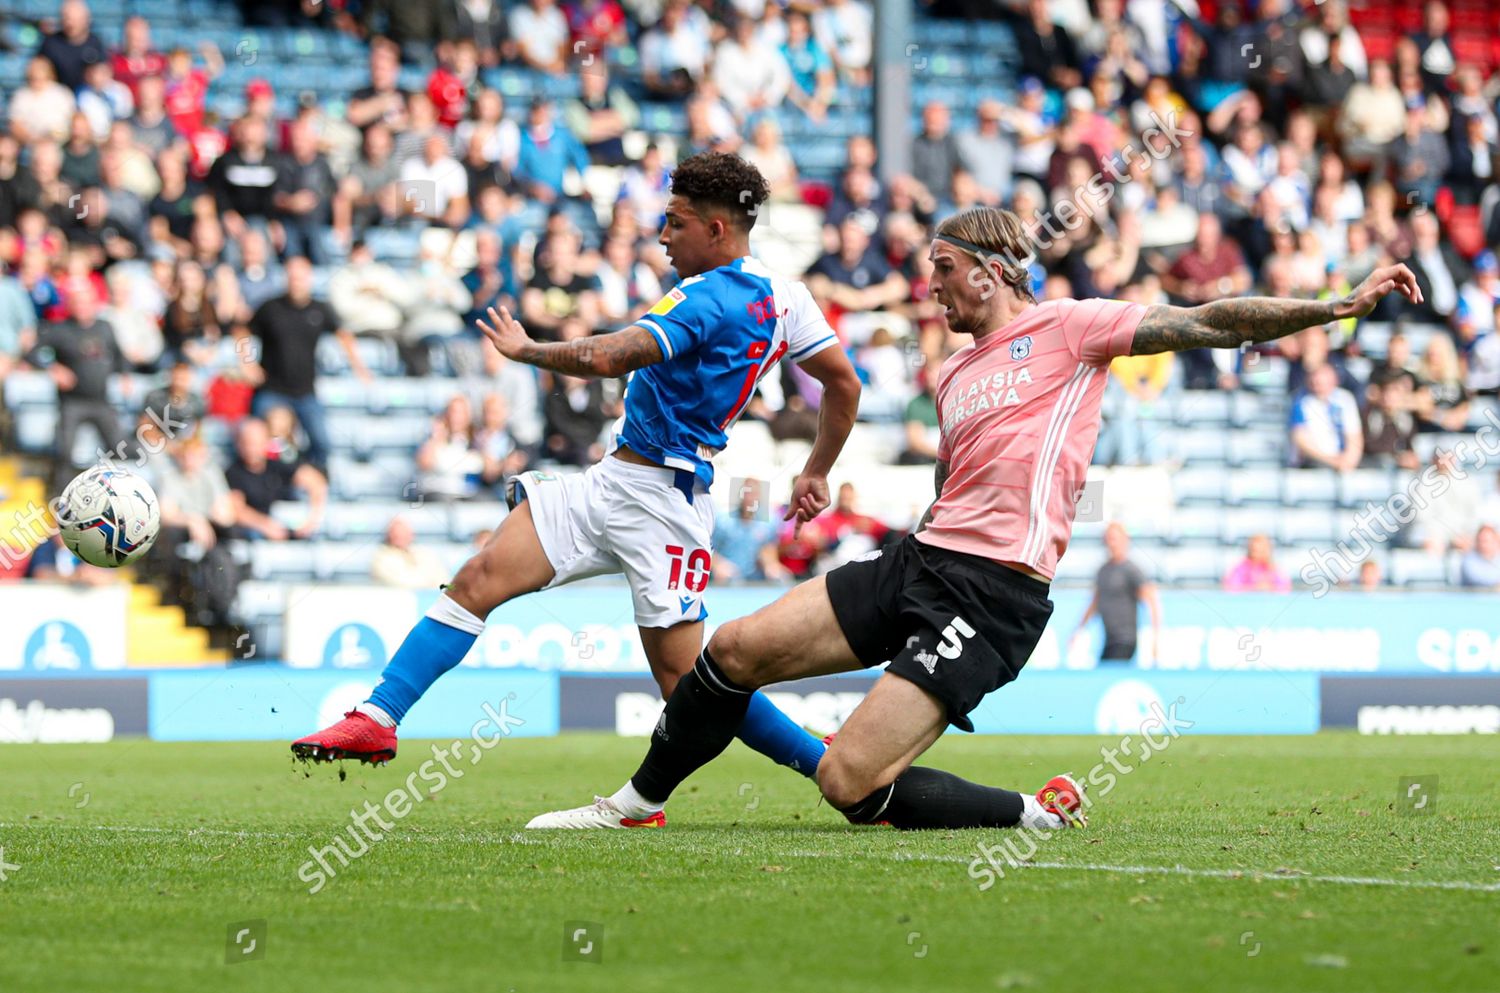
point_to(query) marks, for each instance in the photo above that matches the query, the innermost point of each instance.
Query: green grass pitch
(1223, 864)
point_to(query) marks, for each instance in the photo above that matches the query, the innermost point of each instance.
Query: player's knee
(473, 587)
(729, 649)
(842, 784)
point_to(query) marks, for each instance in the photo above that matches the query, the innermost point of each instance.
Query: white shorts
(620, 517)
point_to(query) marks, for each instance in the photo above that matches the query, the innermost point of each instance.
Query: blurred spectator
(547, 153)
(401, 562)
(189, 326)
(812, 77)
(558, 289)
(1119, 589)
(304, 188)
(1212, 268)
(750, 74)
(600, 116)
(80, 354)
(767, 153)
(260, 279)
(371, 298)
(491, 283)
(17, 323)
(574, 411)
(596, 26)
(73, 45)
(102, 100)
(185, 88)
(1370, 578)
(1325, 423)
(745, 540)
(1435, 46)
(1475, 161)
(382, 100)
(502, 454)
(935, 151)
(987, 152)
(150, 127)
(846, 30)
(414, 27)
(856, 278)
(197, 508)
(1373, 116)
(435, 316)
(645, 188)
(517, 383)
(1480, 567)
(921, 423)
(289, 328)
(627, 286)
(1047, 50)
(176, 405)
(1390, 426)
(847, 534)
(243, 179)
(1447, 507)
(362, 198)
(43, 107)
(1256, 571)
(256, 483)
(1442, 400)
(434, 186)
(541, 34)
(281, 426)
(674, 53)
(1419, 157)
(1136, 384)
(52, 562)
(500, 137)
(136, 58)
(1438, 267)
(448, 465)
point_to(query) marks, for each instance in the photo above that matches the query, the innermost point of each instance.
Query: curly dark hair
(728, 182)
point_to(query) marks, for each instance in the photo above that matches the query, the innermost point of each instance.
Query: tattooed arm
(1245, 320)
(939, 477)
(602, 355)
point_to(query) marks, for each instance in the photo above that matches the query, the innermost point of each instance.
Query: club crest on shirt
(1020, 348)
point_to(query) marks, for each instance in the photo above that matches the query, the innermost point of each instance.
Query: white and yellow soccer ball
(108, 516)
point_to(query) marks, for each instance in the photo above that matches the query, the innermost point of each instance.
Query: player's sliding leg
(868, 776)
(794, 637)
(510, 565)
(672, 652)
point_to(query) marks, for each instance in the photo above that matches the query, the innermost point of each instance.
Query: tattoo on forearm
(612, 354)
(1227, 323)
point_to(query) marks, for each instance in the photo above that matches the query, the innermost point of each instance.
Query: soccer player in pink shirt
(958, 606)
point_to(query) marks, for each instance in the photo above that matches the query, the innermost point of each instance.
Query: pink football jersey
(1019, 414)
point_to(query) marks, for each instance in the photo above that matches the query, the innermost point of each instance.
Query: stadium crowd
(1165, 152)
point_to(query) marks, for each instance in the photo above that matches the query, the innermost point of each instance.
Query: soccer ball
(108, 517)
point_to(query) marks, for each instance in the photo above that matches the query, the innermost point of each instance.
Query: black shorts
(957, 625)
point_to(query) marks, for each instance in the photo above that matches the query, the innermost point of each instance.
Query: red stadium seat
(1464, 229)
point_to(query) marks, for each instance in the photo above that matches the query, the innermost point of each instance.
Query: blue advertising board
(264, 703)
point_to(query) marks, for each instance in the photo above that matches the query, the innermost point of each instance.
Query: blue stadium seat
(1191, 485)
(1363, 486)
(285, 561)
(1413, 567)
(1198, 525)
(1203, 408)
(1257, 448)
(1198, 566)
(344, 561)
(1242, 522)
(466, 518)
(1310, 525)
(1252, 485)
(1309, 487)
(1200, 446)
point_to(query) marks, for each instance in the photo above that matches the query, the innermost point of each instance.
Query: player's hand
(505, 333)
(809, 499)
(1386, 279)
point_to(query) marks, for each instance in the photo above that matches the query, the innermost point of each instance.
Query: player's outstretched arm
(1246, 320)
(830, 367)
(600, 355)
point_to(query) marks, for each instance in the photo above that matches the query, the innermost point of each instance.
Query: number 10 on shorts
(695, 577)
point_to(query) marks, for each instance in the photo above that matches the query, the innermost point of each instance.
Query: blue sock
(774, 735)
(431, 649)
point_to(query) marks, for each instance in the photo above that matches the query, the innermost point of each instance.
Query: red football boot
(354, 737)
(1063, 796)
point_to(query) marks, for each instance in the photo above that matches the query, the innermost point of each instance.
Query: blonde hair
(1002, 237)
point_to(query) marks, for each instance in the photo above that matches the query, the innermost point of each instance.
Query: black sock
(931, 798)
(701, 719)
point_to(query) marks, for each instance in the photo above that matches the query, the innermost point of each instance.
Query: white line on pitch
(1182, 870)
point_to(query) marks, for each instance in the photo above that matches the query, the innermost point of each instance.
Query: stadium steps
(160, 637)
